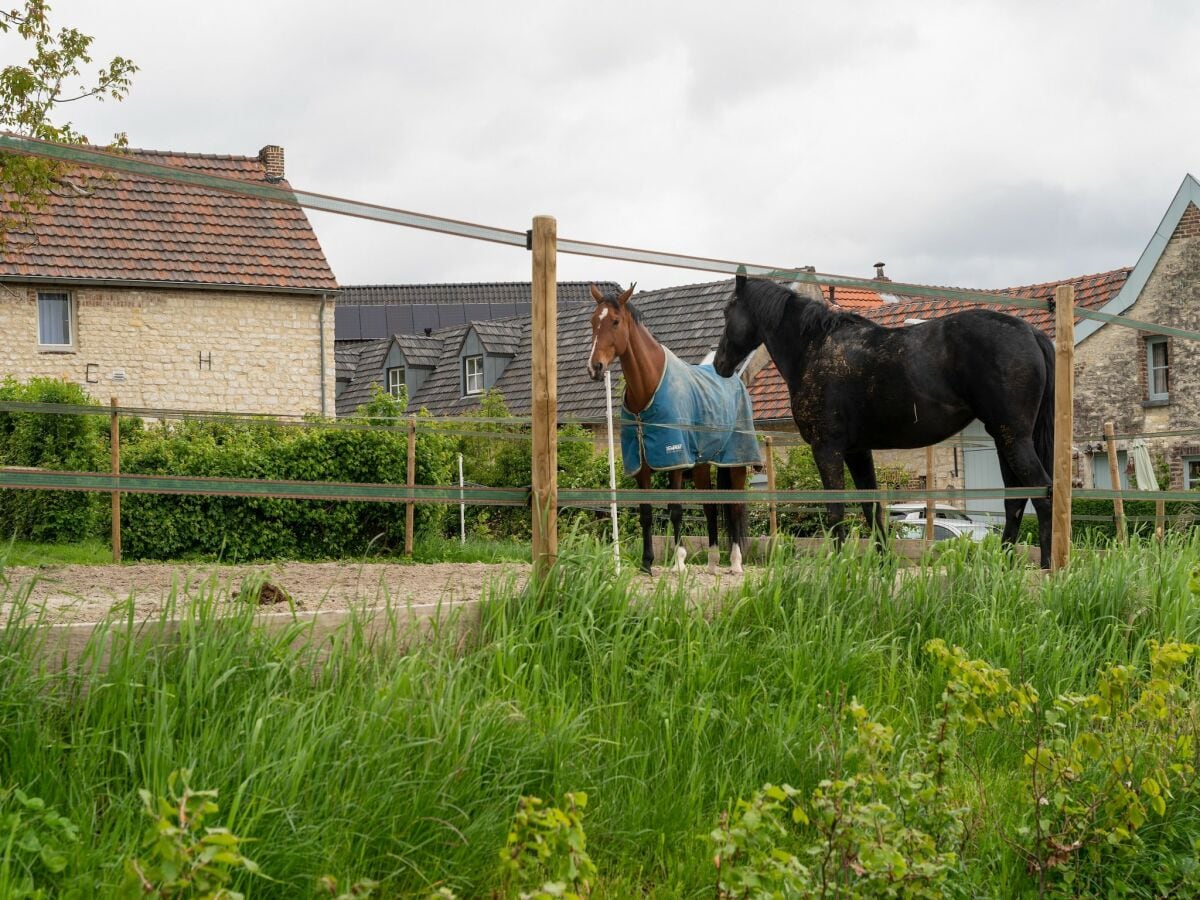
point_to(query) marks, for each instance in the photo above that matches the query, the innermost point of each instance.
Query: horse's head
(741, 335)
(610, 330)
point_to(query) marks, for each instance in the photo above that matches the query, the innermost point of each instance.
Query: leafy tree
(32, 95)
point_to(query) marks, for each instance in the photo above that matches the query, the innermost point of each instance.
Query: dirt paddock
(72, 594)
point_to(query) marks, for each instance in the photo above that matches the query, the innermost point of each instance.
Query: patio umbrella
(1143, 468)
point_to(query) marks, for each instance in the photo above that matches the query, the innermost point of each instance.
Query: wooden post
(772, 506)
(1114, 476)
(409, 507)
(1160, 518)
(114, 440)
(1064, 423)
(930, 512)
(544, 245)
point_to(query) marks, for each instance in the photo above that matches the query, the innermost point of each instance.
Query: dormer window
(395, 380)
(473, 374)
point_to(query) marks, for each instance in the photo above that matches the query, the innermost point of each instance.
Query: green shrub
(158, 526)
(46, 441)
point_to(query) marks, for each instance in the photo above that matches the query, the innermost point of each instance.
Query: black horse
(856, 386)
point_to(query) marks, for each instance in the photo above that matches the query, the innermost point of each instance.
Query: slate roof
(347, 360)
(374, 311)
(687, 319)
(129, 228)
(420, 350)
(503, 337)
(368, 372)
(769, 394)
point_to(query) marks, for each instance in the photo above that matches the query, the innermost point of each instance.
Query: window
(395, 380)
(55, 326)
(472, 374)
(1191, 473)
(1158, 370)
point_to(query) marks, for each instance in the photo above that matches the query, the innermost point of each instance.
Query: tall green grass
(373, 755)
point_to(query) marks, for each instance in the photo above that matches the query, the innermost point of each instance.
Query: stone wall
(180, 349)
(1110, 364)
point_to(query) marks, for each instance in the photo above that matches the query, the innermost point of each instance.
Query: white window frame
(69, 346)
(1188, 484)
(394, 383)
(1151, 394)
(472, 375)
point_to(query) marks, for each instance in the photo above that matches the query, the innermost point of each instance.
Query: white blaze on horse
(675, 418)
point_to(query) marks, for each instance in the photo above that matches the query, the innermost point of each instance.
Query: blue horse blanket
(694, 417)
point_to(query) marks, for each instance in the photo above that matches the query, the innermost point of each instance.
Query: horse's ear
(739, 286)
(596, 295)
(625, 295)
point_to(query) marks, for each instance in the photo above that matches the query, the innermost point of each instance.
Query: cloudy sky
(970, 143)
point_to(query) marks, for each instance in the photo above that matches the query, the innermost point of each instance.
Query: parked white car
(908, 521)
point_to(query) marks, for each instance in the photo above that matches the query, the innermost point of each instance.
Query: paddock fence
(544, 244)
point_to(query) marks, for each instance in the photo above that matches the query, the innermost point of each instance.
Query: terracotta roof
(125, 227)
(769, 393)
(852, 298)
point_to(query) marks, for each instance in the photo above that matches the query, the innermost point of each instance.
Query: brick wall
(1110, 365)
(234, 352)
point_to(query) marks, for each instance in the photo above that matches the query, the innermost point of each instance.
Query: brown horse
(618, 333)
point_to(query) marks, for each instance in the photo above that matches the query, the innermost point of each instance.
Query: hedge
(46, 441)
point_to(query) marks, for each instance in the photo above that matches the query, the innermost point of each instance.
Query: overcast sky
(976, 144)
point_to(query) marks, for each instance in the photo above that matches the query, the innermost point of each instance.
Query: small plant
(550, 841)
(33, 843)
(185, 857)
(327, 885)
(1102, 765)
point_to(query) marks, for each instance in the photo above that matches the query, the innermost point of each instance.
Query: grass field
(406, 767)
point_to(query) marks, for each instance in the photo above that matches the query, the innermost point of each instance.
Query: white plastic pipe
(462, 506)
(612, 471)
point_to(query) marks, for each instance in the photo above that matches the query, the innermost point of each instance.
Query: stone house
(173, 296)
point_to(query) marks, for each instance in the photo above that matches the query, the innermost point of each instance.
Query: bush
(46, 441)
(158, 526)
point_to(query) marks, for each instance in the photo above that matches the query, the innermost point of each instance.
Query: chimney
(271, 157)
(879, 276)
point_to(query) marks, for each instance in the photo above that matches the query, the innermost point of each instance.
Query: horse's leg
(702, 478)
(646, 515)
(830, 466)
(1025, 470)
(676, 512)
(737, 520)
(862, 469)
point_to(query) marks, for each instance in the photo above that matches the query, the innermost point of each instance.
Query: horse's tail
(1043, 429)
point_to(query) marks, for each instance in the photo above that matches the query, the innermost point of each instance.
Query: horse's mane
(769, 303)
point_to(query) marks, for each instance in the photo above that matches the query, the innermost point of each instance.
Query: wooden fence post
(409, 507)
(772, 506)
(930, 511)
(1114, 477)
(544, 244)
(1064, 423)
(114, 440)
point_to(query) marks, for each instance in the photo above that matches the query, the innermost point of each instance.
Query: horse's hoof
(735, 560)
(680, 560)
(714, 556)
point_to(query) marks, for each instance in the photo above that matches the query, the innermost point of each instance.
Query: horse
(676, 418)
(856, 386)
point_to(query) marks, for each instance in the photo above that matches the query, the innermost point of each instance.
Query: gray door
(981, 469)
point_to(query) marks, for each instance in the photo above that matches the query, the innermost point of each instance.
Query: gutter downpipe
(324, 376)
